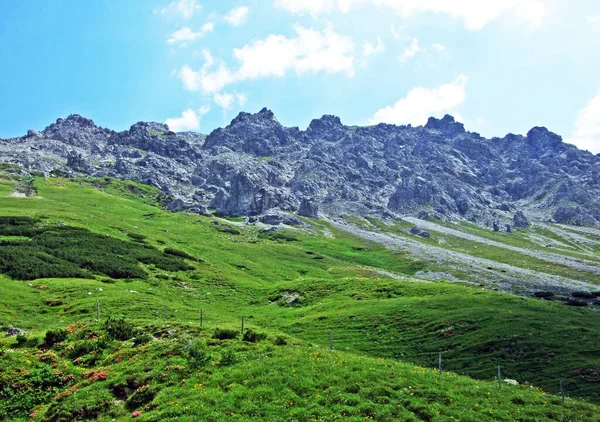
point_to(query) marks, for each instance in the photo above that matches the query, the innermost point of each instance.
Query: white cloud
(301, 7)
(226, 100)
(587, 127)
(223, 100)
(475, 13)
(594, 20)
(410, 51)
(237, 16)
(241, 99)
(397, 34)
(370, 49)
(420, 103)
(186, 34)
(189, 120)
(207, 79)
(181, 8)
(310, 51)
(439, 47)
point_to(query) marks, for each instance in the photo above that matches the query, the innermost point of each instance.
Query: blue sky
(498, 66)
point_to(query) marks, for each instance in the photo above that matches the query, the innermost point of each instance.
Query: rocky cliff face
(255, 164)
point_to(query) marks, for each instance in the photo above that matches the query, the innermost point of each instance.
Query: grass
(382, 328)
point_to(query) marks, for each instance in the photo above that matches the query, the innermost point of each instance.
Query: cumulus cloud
(186, 34)
(420, 103)
(226, 100)
(594, 20)
(370, 49)
(410, 51)
(189, 120)
(475, 14)
(180, 9)
(586, 134)
(439, 47)
(310, 51)
(237, 16)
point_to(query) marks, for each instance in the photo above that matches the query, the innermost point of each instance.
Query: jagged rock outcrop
(255, 165)
(520, 221)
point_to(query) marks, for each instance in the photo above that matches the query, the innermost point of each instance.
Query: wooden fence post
(499, 377)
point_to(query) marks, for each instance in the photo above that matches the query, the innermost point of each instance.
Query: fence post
(164, 313)
(97, 310)
(499, 377)
(242, 324)
(200, 318)
(440, 364)
(562, 392)
(331, 340)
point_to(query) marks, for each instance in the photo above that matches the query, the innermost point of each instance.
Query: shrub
(55, 336)
(181, 254)
(82, 348)
(228, 358)
(225, 334)
(142, 339)
(280, 341)
(225, 228)
(136, 237)
(119, 329)
(253, 336)
(196, 354)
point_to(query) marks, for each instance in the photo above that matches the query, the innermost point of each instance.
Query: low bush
(197, 355)
(55, 336)
(228, 358)
(119, 329)
(225, 334)
(253, 337)
(181, 254)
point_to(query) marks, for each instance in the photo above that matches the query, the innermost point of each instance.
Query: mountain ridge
(255, 166)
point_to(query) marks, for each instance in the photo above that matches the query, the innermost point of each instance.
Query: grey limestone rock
(520, 221)
(255, 165)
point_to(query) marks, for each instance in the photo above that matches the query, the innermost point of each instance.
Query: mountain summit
(255, 164)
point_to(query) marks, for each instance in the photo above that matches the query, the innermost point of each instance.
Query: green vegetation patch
(59, 251)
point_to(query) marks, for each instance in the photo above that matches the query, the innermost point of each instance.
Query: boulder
(176, 205)
(495, 226)
(508, 228)
(308, 208)
(13, 331)
(520, 221)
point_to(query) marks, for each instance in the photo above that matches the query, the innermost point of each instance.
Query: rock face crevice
(255, 164)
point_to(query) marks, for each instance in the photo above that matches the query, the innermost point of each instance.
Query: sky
(498, 66)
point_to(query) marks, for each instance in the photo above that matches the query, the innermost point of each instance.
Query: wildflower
(136, 414)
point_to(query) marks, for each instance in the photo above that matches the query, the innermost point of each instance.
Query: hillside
(257, 166)
(392, 300)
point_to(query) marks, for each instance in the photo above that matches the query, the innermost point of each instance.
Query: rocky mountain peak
(150, 128)
(446, 126)
(326, 123)
(541, 137)
(263, 116)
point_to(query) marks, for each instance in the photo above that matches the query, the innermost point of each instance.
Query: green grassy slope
(241, 271)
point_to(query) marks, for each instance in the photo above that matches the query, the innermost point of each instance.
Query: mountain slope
(295, 285)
